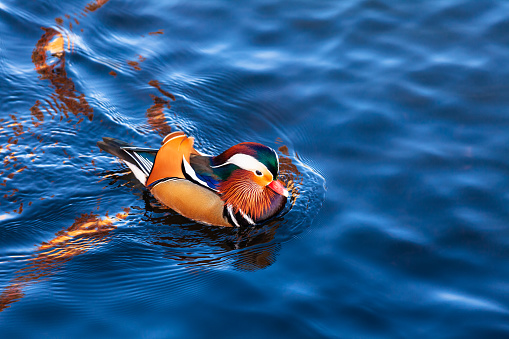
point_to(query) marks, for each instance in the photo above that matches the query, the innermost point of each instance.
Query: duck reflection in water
(200, 246)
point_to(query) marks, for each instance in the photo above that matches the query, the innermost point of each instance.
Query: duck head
(249, 185)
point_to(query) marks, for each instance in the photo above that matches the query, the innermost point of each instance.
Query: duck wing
(199, 171)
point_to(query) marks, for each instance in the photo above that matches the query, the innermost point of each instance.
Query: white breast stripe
(230, 210)
(248, 219)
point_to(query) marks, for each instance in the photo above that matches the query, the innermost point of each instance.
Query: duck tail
(139, 160)
(114, 147)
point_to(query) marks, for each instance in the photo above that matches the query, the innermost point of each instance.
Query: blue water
(390, 119)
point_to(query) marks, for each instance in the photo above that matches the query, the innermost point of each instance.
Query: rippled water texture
(390, 121)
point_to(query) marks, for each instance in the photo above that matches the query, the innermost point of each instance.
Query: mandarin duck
(238, 187)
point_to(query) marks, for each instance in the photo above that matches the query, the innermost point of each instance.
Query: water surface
(390, 121)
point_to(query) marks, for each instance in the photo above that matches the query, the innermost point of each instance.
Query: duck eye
(258, 173)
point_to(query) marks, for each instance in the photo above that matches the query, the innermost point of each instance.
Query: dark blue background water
(391, 119)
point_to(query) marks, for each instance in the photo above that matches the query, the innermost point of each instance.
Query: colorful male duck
(239, 187)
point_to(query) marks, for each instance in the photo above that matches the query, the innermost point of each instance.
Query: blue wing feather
(201, 169)
(211, 182)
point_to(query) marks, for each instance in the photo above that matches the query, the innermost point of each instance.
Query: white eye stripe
(246, 162)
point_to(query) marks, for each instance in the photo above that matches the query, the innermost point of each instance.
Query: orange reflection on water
(48, 57)
(15, 157)
(56, 46)
(11, 294)
(49, 60)
(136, 64)
(155, 113)
(87, 232)
(290, 174)
(156, 84)
(95, 5)
(155, 116)
(161, 31)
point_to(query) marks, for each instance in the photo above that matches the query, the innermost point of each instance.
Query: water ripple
(401, 106)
